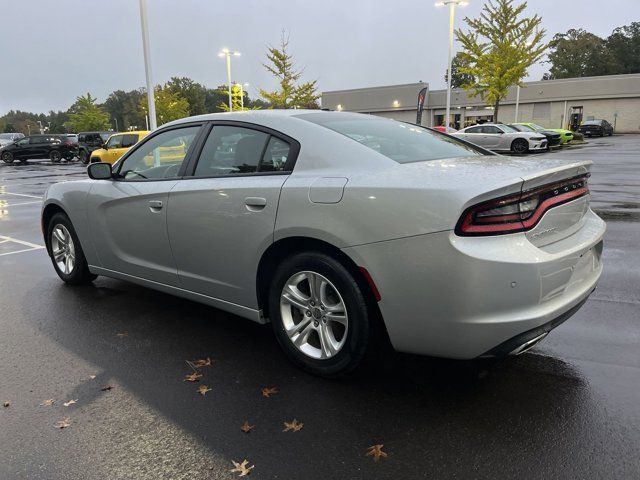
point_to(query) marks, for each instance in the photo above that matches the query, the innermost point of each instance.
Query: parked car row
(85, 146)
(521, 138)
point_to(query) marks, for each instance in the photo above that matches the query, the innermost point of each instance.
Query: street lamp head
(236, 54)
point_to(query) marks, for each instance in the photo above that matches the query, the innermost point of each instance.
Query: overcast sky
(53, 51)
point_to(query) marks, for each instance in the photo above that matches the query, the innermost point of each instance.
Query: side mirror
(105, 146)
(100, 171)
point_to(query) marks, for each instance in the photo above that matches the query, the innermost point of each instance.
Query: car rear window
(592, 122)
(401, 142)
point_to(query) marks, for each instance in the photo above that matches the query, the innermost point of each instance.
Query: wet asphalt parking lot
(569, 408)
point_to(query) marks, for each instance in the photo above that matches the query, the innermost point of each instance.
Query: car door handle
(155, 205)
(255, 203)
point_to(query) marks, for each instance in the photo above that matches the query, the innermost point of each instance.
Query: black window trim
(294, 150)
(185, 162)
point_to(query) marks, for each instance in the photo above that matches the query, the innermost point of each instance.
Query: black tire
(520, 146)
(55, 156)
(361, 319)
(83, 156)
(79, 274)
(7, 157)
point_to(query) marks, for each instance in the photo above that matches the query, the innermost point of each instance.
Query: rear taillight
(519, 212)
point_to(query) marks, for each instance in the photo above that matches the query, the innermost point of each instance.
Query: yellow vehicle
(116, 146)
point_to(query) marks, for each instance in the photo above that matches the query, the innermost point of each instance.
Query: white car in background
(502, 138)
(8, 138)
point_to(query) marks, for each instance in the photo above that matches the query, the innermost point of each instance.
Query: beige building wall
(615, 98)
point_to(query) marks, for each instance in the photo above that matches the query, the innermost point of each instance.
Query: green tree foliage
(499, 48)
(169, 105)
(578, 53)
(86, 115)
(193, 92)
(291, 93)
(624, 47)
(458, 79)
(125, 110)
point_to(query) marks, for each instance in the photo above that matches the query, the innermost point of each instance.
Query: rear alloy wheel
(520, 146)
(66, 253)
(7, 157)
(83, 156)
(319, 314)
(55, 156)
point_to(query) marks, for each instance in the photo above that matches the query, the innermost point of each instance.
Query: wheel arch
(285, 247)
(47, 214)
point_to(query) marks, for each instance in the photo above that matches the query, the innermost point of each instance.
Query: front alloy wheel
(66, 252)
(55, 156)
(314, 315)
(63, 250)
(520, 146)
(7, 157)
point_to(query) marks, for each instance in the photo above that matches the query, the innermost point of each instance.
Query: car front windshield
(401, 142)
(537, 128)
(524, 128)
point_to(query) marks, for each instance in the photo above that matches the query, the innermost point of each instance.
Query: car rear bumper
(463, 297)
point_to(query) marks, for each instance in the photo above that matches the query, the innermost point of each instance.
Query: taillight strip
(503, 223)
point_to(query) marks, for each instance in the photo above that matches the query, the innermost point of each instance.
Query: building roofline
(379, 87)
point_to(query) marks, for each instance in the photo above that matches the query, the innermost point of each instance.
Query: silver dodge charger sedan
(343, 230)
(499, 137)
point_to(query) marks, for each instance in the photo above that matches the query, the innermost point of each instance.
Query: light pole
(452, 8)
(242, 85)
(226, 53)
(517, 102)
(147, 64)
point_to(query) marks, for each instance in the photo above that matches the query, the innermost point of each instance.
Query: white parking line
(2, 192)
(32, 246)
(21, 203)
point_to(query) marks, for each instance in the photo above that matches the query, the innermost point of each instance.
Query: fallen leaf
(193, 377)
(70, 402)
(294, 426)
(47, 403)
(246, 428)
(91, 377)
(206, 362)
(203, 390)
(123, 334)
(106, 388)
(268, 391)
(63, 423)
(376, 452)
(242, 468)
(6, 404)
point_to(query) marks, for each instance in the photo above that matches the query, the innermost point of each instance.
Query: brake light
(519, 212)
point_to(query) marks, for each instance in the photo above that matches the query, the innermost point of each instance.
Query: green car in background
(565, 135)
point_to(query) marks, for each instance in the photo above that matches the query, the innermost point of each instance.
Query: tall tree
(624, 47)
(499, 48)
(458, 79)
(193, 92)
(291, 93)
(125, 110)
(578, 53)
(169, 106)
(85, 115)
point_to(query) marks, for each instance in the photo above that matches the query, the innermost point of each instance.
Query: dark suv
(90, 141)
(54, 147)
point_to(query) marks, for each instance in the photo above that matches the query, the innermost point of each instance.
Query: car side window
(115, 141)
(23, 142)
(160, 156)
(129, 140)
(473, 130)
(275, 156)
(491, 129)
(231, 150)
